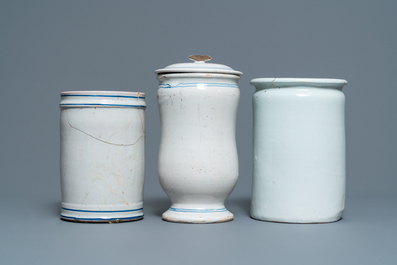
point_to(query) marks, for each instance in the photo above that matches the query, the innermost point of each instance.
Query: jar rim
(103, 93)
(288, 82)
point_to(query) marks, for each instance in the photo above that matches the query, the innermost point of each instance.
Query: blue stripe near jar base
(98, 216)
(183, 210)
(92, 211)
(197, 215)
(101, 220)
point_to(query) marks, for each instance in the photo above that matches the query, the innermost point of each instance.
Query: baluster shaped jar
(198, 163)
(299, 150)
(102, 155)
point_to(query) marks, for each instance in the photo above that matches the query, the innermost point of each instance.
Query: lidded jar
(198, 163)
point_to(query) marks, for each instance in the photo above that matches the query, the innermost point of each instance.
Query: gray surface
(367, 235)
(47, 47)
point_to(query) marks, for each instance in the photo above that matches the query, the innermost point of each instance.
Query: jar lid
(199, 66)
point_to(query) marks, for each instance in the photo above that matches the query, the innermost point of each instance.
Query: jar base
(95, 216)
(286, 221)
(197, 215)
(110, 220)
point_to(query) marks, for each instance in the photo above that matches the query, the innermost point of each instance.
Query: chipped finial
(200, 58)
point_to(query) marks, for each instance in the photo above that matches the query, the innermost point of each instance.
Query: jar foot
(197, 215)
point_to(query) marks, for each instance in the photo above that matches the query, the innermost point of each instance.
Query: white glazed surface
(299, 150)
(198, 163)
(102, 156)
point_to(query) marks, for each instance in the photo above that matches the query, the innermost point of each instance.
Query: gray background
(47, 47)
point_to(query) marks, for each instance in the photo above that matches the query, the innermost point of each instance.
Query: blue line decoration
(182, 210)
(195, 84)
(102, 219)
(105, 105)
(105, 96)
(188, 67)
(165, 86)
(87, 211)
(206, 84)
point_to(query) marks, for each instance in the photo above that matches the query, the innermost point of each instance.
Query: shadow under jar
(102, 155)
(198, 163)
(299, 150)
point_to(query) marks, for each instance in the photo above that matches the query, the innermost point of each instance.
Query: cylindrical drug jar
(198, 163)
(299, 150)
(102, 155)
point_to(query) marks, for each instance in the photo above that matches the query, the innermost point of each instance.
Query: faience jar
(299, 150)
(102, 155)
(198, 163)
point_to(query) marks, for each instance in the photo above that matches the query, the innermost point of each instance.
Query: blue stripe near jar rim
(104, 96)
(196, 84)
(99, 105)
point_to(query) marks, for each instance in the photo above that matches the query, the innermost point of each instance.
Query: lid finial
(200, 58)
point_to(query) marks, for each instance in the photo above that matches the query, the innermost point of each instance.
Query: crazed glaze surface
(102, 156)
(299, 150)
(198, 163)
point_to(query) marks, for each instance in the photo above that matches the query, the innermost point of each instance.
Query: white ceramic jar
(102, 155)
(198, 163)
(299, 150)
